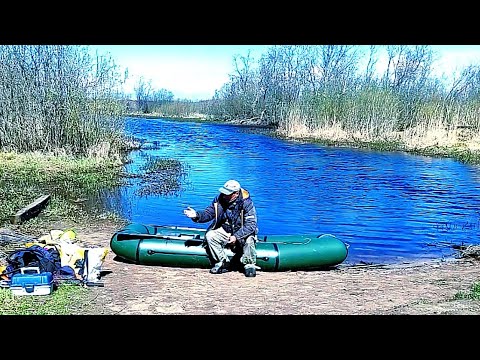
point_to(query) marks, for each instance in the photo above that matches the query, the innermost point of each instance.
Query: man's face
(231, 197)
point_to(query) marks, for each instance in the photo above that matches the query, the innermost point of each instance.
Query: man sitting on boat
(234, 225)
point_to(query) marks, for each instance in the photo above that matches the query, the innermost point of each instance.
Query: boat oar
(133, 236)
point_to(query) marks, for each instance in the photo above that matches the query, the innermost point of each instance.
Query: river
(390, 207)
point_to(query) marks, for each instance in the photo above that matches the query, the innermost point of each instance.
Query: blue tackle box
(31, 281)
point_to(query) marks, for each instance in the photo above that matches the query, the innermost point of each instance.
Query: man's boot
(220, 267)
(250, 270)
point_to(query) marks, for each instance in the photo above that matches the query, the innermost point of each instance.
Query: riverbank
(457, 144)
(427, 288)
(414, 288)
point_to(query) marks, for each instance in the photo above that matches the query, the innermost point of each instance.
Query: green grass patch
(65, 300)
(458, 153)
(473, 294)
(70, 181)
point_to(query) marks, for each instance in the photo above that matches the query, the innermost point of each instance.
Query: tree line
(328, 85)
(57, 98)
(391, 93)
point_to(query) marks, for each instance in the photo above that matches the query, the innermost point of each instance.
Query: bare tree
(143, 91)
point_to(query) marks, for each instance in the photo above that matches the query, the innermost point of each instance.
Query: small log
(30, 210)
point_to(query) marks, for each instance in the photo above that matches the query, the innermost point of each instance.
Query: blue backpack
(47, 260)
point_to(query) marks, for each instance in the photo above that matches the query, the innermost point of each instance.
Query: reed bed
(337, 93)
(59, 99)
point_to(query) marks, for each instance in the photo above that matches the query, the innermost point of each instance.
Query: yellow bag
(56, 235)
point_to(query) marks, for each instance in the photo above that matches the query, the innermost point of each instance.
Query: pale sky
(189, 71)
(195, 71)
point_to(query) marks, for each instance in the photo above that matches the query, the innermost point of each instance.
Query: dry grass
(416, 138)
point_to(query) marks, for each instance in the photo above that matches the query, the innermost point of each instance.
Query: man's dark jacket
(238, 218)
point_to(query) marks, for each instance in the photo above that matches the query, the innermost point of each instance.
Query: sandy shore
(411, 288)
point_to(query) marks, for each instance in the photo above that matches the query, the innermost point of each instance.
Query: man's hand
(232, 240)
(191, 213)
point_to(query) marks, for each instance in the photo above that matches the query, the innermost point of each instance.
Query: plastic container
(31, 281)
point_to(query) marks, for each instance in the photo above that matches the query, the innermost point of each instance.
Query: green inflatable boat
(186, 247)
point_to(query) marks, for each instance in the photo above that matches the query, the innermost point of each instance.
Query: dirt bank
(414, 288)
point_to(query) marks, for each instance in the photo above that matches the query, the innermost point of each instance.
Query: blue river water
(389, 207)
